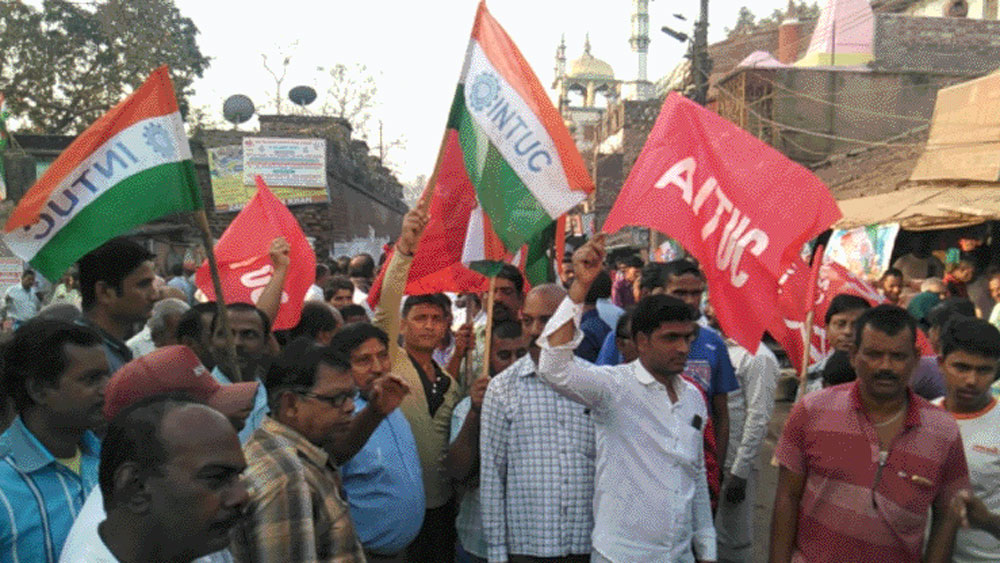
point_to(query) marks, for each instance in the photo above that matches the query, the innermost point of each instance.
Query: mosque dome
(590, 67)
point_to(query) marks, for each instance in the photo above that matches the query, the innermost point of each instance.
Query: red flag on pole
(243, 254)
(740, 207)
(833, 280)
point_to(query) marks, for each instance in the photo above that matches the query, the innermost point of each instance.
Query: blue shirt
(385, 487)
(260, 408)
(609, 354)
(708, 364)
(594, 332)
(40, 497)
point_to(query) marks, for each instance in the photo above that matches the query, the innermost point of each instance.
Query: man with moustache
(251, 329)
(297, 511)
(172, 495)
(862, 464)
(381, 469)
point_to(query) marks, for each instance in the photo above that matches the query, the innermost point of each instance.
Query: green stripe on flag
(513, 210)
(488, 268)
(151, 194)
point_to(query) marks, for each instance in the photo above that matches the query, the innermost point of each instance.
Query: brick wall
(955, 45)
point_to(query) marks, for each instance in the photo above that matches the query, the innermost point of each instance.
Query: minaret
(559, 84)
(640, 35)
(561, 59)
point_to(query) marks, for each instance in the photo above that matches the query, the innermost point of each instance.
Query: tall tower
(560, 60)
(640, 35)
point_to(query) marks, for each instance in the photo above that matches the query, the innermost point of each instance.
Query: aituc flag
(740, 207)
(243, 255)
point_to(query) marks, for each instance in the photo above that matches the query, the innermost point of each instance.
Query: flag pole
(489, 327)
(220, 302)
(810, 303)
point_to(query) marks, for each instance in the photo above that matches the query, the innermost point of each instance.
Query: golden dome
(587, 66)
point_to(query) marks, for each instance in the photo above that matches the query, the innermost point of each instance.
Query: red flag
(244, 258)
(736, 204)
(437, 265)
(834, 279)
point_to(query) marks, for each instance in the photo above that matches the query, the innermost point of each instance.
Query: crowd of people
(605, 418)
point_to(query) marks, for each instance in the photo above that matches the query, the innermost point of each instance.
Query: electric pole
(700, 61)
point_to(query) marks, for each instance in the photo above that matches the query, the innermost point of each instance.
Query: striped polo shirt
(39, 497)
(855, 508)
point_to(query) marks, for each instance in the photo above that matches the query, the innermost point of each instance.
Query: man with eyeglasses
(296, 510)
(381, 470)
(863, 464)
(462, 462)
(537, 457)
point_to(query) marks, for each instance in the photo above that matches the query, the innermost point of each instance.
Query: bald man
(537, 452)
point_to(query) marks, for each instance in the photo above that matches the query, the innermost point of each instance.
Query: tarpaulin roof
(925, 207)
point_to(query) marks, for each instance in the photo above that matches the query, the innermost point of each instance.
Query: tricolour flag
(509, 168)
(131, 166)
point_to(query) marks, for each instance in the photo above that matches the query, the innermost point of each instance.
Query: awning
(925, 207)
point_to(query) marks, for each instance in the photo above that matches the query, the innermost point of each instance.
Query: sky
(415, 49)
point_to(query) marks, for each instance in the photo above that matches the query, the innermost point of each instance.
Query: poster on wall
(864, 251)
(294, 169)
(299, 163)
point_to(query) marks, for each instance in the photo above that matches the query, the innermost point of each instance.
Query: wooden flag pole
(220, 302)
(810, 314)
(489, 327)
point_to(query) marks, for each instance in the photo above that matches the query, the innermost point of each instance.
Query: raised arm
(582, 382)
(386, 314)
(270, 299)
(387, 394)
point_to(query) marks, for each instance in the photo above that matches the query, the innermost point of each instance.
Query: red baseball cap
(174, 369)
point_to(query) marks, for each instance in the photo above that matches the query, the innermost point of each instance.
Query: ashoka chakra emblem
(484, 91)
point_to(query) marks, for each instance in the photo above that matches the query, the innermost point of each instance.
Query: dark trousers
(436, 541)
(565, 559)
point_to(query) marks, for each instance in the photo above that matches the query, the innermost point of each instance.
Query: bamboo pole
(810, 320)
(220, 303)
(489, 327)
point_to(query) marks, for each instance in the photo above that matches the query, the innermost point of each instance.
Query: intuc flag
(740, 207)
(243, 255)
(131, 166)
(509, 168)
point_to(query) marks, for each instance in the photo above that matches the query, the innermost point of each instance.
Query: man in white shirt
(22, 301)
(970, 350)
(651, 500)
(750, 409)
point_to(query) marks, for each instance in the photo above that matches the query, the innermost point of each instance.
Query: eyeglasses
(335, 401)
(505, 355)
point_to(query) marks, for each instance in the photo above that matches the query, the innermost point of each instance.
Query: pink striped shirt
(851, 510)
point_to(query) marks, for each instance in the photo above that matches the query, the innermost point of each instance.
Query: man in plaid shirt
(297, 511)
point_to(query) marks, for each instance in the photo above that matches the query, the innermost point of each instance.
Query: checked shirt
(537, 468)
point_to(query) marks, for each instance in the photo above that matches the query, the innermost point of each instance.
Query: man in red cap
(168, 370)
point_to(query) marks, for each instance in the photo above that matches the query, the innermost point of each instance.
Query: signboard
(299, 163)
(229, 191)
